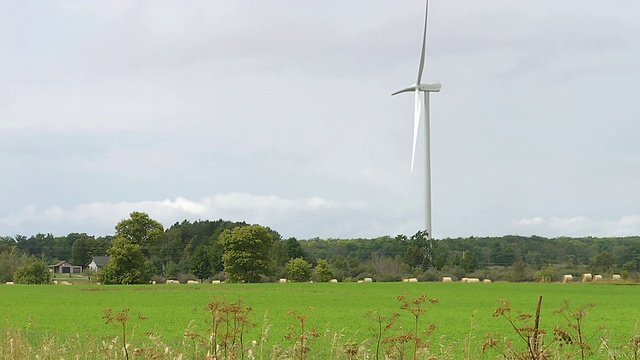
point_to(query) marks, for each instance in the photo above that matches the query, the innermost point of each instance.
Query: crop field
(463, 314)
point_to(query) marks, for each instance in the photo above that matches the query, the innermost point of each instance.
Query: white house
(98, 262)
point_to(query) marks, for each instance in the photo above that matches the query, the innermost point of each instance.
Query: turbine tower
(425, 89)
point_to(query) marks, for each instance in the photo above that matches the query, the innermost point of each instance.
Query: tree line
(141, 250)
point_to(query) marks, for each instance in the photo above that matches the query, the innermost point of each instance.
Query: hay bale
(616, 277)
(586, 278)
(464, 280)
(9, 283)
(447, 279)
(567, 279)
(333, 280)
(193, 282)
(216, 282)
(172, 282)
(597, 278)
(367, 280)
(486, 280)
(413, 280)
(473, 280)
(405, 280)
(282, 281)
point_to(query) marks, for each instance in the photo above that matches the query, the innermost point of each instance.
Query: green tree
(278, 254)
(298, 270)
(142, 230)
(246, 253)
(294, 249)
(36, 245)
(200, 263)
(439, 261)
(170, 248)
(33, 272)
(324, 272)
(469, 261)
(518, 272)
(127, 264)
(545, 274)
(61, 248)
(101, 245)
(601, 262)
(416, 250)
(7, 243)
(10, 261)
(345, 267)
(81, 250)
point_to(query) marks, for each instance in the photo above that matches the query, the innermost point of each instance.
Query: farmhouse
(64, 267)
(98, 262)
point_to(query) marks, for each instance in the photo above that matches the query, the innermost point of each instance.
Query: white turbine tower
(417, 88)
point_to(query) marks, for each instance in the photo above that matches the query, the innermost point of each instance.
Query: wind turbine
(425, 89)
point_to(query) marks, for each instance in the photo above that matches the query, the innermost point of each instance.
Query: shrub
(35, 272)
(298, 270)
(324, 272)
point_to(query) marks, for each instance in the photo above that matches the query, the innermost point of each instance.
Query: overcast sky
(279, 113)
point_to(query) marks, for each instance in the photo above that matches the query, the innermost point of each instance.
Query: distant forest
(183, 246)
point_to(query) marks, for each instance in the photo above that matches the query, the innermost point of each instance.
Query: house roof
(100, 260)
(61, 263)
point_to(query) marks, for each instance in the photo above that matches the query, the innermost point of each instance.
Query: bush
(35, 272)
(324, 272)
(298, 270)
(183, 278)
(159, 279)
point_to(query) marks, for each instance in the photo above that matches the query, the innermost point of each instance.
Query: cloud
(269, 210)
(579, 226)
(107, 104)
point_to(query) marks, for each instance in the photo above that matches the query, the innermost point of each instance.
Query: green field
(463, 310)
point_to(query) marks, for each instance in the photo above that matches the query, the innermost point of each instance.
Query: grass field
(464, 311)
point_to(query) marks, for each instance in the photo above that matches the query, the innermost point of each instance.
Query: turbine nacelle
(421, 87)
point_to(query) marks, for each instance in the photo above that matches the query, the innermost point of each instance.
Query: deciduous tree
(601, 262)
(298, 270)
(416, 250)
(324, 272)
(127, 264)
(81, 249)
(246, 253)
(10, 261)
(140, 229)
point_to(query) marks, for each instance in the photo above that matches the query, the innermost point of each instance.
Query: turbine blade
(424, 45)
(416, 123)
(410, 88)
